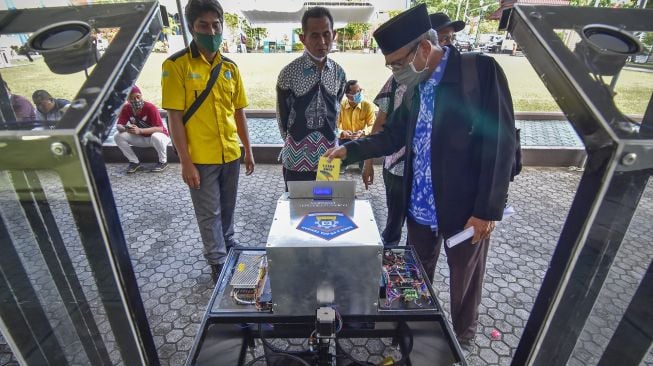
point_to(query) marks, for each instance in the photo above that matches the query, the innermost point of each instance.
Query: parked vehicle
(463, 42)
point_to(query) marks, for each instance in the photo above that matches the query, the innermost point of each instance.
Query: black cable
(283, 354)
(274, 349)
(259, 358)
(409, 347)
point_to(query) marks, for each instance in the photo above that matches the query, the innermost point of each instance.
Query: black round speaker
(66, 47)
(605, 48)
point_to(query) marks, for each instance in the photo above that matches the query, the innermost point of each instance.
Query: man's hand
(134, 130)
(482, 228)
(120, 128)
(339, 152)
(368, 173)
(346, 135)
(249, 163)
(191, 175)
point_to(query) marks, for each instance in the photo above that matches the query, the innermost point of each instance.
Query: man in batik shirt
(309, 91)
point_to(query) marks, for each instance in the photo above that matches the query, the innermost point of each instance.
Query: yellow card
(328, 170)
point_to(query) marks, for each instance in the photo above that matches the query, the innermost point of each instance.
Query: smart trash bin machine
(323, 280)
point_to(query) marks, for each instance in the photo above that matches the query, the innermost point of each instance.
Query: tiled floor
(165, 248)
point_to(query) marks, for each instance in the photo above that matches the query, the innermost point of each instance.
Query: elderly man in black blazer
(459, 153)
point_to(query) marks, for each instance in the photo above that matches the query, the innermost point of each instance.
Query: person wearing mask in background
(458, 160)
(309, 91)
(356, 115)
(47, 107)
(207, 139)
(23, 108)
(139, 124)
(446, 28)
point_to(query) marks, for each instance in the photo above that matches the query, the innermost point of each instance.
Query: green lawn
(259, 72)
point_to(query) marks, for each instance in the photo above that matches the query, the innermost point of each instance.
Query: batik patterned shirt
(308, 103)
(391, 95)
(421, 207)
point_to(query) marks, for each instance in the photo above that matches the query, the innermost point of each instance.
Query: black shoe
(133, 168)
(159, 167)
(215, 271)
(467, 344)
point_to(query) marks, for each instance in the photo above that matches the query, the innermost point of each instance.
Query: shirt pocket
(195, 88)
(228, 88)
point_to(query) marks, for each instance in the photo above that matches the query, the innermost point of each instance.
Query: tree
(353, 32)
(231, 21)
(253, 34)
(451, 7)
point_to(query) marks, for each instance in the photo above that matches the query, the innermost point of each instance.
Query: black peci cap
(400, 30)
(441, 20)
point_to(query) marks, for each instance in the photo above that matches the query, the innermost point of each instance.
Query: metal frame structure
(226, 333)
(72, 148)
(619, 164)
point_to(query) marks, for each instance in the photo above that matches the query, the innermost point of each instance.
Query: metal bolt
(59, 149)
(629, 159)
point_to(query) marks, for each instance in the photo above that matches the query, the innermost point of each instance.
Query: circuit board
(403, 286)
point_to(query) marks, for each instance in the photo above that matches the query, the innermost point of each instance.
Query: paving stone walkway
(164, 243)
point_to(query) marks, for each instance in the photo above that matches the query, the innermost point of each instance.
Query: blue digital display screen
(322, 191)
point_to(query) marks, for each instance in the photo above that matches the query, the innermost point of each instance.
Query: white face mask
(318, 59)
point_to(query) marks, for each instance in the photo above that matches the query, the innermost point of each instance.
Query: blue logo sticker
(326, 225)
(227, 74)
(165, 73)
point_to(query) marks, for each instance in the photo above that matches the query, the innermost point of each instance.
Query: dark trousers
(466, 270)
(394, 198)
(292, 175)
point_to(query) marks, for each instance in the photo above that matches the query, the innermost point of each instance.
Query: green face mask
(209, 42)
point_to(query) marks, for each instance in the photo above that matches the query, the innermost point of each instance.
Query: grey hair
(431, 35)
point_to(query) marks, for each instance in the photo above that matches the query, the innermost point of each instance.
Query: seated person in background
(47, 107)
(140, 124)
(23, 108)
(356, 115)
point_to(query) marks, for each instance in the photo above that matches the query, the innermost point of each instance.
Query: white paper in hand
(460, 237)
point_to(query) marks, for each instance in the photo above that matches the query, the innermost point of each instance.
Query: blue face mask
(358, 97)
(209, 42)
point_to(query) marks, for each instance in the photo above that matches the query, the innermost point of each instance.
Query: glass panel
(67, 66)
(45, 237)
(623, 279)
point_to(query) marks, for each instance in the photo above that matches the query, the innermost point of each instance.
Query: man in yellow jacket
(356, 115)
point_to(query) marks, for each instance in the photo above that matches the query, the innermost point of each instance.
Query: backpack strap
(472, 96)
(198, 102)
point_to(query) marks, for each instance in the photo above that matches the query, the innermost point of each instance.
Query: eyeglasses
(397, 65)
(445, 38)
